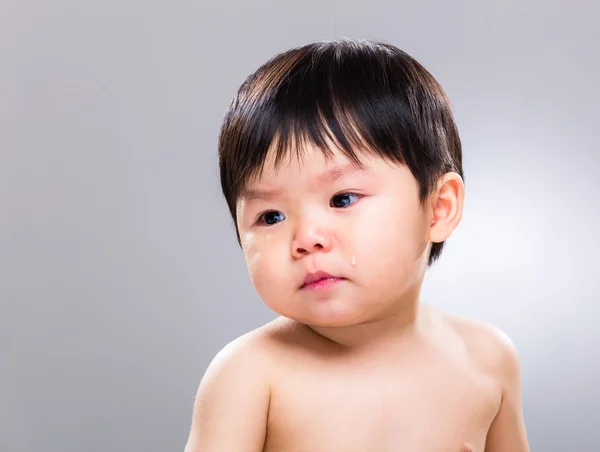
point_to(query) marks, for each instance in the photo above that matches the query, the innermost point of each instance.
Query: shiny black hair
(364, 96)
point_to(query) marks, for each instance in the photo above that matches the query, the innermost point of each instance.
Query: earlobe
(447, 207)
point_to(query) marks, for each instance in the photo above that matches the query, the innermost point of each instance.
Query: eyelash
(260, 219)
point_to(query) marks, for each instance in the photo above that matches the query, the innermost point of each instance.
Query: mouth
(320, 281)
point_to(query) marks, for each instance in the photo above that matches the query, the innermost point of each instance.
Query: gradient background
(120, 275)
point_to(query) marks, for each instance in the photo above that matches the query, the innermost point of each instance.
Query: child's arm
(231, 407)
(507, 432)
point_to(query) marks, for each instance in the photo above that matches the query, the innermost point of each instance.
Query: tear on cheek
(248, 240)
(252, 262)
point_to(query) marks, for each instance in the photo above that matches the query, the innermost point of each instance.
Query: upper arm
(507, 431)
(231, 406)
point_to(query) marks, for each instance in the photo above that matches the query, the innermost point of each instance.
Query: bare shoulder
(253, 355)
(258, 346)
(247, 350)
(234, 393)
(487, 345)
(490, 348)
(258, 353)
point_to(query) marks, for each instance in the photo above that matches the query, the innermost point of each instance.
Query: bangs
(363, 98)
(297, 134)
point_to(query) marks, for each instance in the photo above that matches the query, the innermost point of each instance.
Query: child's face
(365, 227)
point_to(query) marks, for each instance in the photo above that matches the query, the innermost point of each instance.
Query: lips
(319, 279)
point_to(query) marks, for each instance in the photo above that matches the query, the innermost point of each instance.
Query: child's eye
(270, 218)
(344, 200)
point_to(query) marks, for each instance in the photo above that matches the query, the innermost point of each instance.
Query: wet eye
(270, 218)
(344, 200)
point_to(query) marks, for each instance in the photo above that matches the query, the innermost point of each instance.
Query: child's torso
(438, 400)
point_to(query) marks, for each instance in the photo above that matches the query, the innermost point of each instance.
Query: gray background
(120, 276)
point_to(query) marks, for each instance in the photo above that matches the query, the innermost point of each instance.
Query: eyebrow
(330, 175)
(342, 170)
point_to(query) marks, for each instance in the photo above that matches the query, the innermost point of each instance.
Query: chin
(327, 320)
(331, 324)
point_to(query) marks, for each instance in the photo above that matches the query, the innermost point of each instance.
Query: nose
(309, 240)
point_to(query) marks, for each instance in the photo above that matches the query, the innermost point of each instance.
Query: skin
(363, 365)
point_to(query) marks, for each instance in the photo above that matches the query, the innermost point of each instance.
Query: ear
(446, 206)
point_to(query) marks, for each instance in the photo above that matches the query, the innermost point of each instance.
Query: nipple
(353, 260)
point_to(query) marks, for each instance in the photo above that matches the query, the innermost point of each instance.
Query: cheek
(266, 266)
(393, 240)
(253, 262)
(253, 254)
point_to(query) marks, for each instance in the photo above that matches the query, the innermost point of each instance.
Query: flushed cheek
(252, 253)
(265, 263)
(272, 282)
(388, 250)
(253, 262)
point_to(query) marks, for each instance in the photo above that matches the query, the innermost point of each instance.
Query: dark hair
(364, 96)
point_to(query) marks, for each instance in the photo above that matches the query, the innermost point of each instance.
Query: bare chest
(437, 408)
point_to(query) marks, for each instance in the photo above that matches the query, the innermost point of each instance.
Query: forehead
(311, 164)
